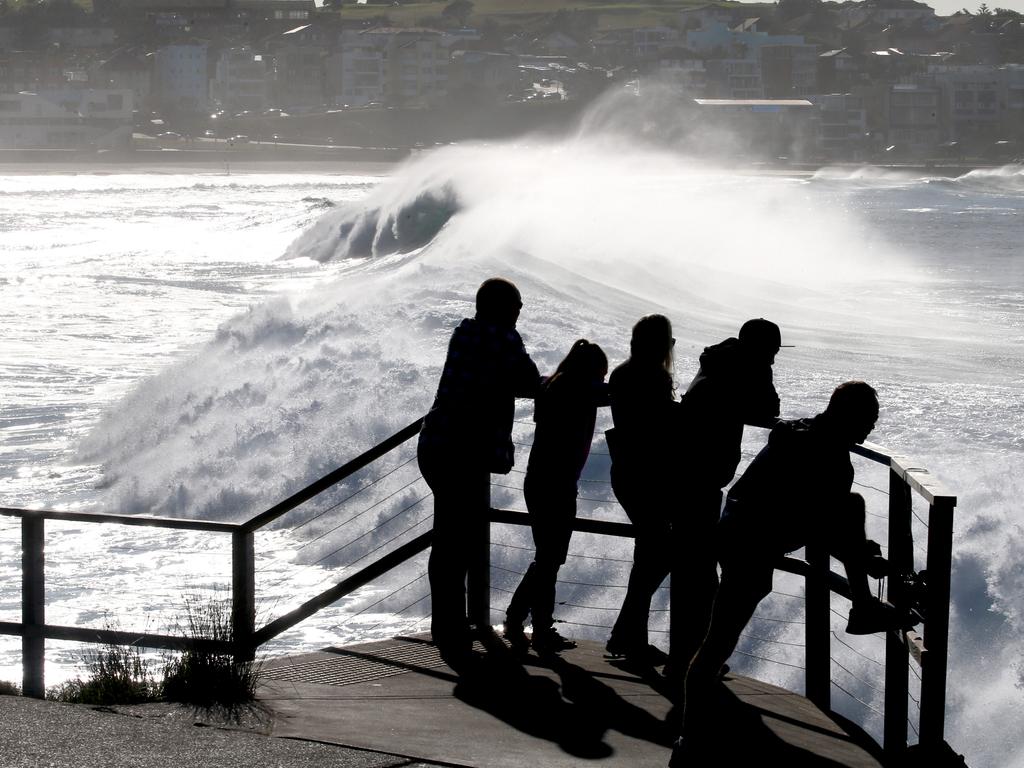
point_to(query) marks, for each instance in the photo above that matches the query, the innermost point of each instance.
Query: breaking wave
(594, 239)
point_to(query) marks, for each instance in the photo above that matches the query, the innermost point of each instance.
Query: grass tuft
(206, 678)
(117, 675)
(9, 689)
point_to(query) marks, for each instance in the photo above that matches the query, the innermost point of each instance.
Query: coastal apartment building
(842, 125)
(241, 80)
(181, 80)
(979, 105)
(912, 118)
(66, 119)
(393, 66)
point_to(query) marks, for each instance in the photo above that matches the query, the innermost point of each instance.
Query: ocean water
(203, 346)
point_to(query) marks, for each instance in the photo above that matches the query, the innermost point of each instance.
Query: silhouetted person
(795, 493)
(565, 413)
(644, 410)
(466, 435)
(733, 387)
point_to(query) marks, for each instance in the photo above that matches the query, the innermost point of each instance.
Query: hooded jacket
(731, 388)
(470, 422)
(784, 498)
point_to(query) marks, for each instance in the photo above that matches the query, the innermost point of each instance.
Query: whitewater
(203, 346)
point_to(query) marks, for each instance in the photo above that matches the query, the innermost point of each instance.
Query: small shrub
(206, 678)
(117, 675)
(9, 689)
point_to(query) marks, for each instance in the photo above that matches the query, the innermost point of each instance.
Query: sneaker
(877, 616)
(516, 638)
(549, 641)
(648, 655)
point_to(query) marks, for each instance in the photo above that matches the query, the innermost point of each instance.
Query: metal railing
(906, 478)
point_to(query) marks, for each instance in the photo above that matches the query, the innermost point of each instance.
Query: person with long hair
(565, 413)
(644, 412)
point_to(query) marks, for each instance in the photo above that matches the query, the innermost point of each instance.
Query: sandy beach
(247, 159)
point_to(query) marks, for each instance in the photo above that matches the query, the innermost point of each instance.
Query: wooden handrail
(117, 637)
(906, 477)
(325, 482)
(104, 517)
(348, 585)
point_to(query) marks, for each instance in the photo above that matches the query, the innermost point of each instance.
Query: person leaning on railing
(565, 412)
(644, 409)
(733, 387)
(795, 493)
(466, 435)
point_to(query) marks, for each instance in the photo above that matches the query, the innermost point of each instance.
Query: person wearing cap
(733, 387)
(467, 435)
(795, 493)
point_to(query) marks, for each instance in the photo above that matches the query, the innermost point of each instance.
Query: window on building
(963, 99)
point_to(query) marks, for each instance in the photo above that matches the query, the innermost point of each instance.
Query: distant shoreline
(337, 161)
(244, 160)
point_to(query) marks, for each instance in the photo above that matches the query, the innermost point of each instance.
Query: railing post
(818, 637)
(936, 628)
(897, 658)
(33, 606)
(243, 594)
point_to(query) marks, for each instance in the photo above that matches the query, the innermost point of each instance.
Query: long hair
(585, 360)
(652, 342)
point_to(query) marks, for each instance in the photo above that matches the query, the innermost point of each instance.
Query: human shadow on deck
(575, 714)
(736, 734)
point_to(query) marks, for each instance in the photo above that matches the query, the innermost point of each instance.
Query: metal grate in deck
(350, 666)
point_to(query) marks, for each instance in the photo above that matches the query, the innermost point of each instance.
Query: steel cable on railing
(582, 479)
(859, 701)
(332, 530)
(374, 604)
(862, 655)
(352, 495)
(333, 574)
(861, 680)
(309, 566)
(917, 702)
(778, 621)
(403, 610)
(600, 626)
(360, 514)
(570, 554)
(770, 661)
(873, 488)
(919, 519)
(578, 498)
(772, 642)
(787, 594)
(566, 581)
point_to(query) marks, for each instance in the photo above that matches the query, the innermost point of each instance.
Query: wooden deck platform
(397, 696)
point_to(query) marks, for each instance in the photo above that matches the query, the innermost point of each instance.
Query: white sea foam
(304, 380)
